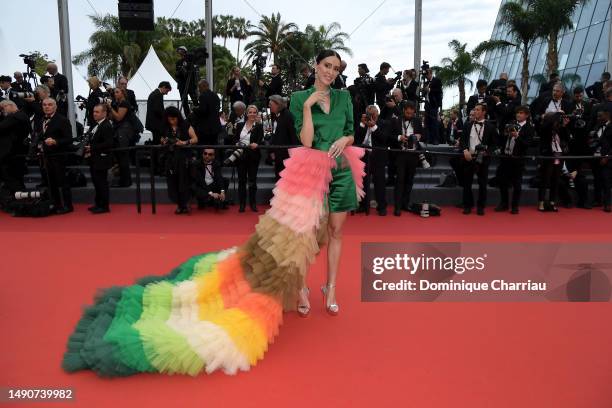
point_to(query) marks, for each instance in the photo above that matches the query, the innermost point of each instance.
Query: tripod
(189, 89)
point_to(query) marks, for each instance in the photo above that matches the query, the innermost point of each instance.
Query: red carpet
(372, 354)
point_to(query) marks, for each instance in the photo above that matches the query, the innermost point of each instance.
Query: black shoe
(254, 208)
(480, 211)
(382, 212)
(241, 209)
(501, 208)
(93, 207)
(397, 212)
(100, 210)
(514, 210)
(179, 211)
(361, 210)
(607, 208)
(467, 210)
(64, 210)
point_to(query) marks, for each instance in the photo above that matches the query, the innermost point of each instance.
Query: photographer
(237, 88)
(517, 135)
(122, 83)
(59, 80)
(8, 93)
(155, 111)
(275, 87)
(186, 78)
(97, 150)
(57, 94)
(208, 184)
(553, 103)
(248, 135)
(600, 142)
(206, 115)
(340, 82)
(596, 90)
(373, 132)
(283, 129)
(454, 129)
(119, 112)
(433, 104)
(579, 146)
(506, 108)
(14, 130)
(408, 85)
(554, 138)
(392, 107)
(20, 85)
(365, 87)
(478, 143)
(406, 135)
(96, 97)
(382, 85)
(178, 133)
(55, 141)
(481, 96)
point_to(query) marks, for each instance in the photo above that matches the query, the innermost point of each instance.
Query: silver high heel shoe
(303, 310)
(333, 308)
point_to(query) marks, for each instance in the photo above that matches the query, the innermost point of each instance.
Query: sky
(381, 30)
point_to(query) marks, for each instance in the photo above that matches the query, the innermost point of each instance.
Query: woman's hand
(337, 147)
(316, 97)
(164, 140)
(181, 143)
(253, 146)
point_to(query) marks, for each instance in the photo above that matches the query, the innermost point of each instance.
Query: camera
(21, 95)
(235, 155)
(576, 118)
(512, 127)
(29, 60)
(424, 89)
(499, 92)
(481, 149)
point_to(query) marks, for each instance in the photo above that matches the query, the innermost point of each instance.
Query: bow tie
(479, 123)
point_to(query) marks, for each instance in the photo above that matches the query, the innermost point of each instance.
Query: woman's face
(252, 114)
(172, 121)
(236, 72)
(328, 69)
(118, 94)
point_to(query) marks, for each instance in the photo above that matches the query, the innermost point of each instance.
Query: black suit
(432, 107)
(200, 189)
(248, 164)
(14, 129)
(382, 88)
(375, 161)
(482, 98)
(61, 83)
(100, 161)
(208, 125)
(595, 91)
(340, 82)
(454, 130)
(275, 87)
(155, 115)
(406, 163)
(487, 136)
(237, 95)
(510, 169)
(59, 129)
(95, 97)
(23, 86)
(131, 98)
(409, 92)
(284, 135)
(550, 169)
(602, 172)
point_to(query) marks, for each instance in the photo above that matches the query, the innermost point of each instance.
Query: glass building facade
(583, 50)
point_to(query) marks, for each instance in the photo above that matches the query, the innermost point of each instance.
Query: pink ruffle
(353, 156)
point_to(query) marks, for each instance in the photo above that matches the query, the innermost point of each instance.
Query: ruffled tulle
(220, 310)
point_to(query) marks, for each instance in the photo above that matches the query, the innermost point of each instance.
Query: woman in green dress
(324, 121)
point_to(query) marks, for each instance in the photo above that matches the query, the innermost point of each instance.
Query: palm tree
(456, 70)
(272, 35)
(222, 27)
(328, 37)
(114, 51)
(523, 25)
(554, 16)
(241, 32)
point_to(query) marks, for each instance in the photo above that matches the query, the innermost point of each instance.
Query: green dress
(327, 129)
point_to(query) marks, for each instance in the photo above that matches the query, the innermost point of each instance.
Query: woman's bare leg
(334, 250)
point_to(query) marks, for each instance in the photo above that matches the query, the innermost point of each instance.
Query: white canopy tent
(150, 73)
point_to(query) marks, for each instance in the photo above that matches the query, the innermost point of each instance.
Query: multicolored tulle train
(218, 310)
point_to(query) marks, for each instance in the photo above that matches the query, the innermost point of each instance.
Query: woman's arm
(119, 114)
(193, 137)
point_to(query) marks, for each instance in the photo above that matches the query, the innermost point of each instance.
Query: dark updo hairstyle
(327, 53)
(174, 112)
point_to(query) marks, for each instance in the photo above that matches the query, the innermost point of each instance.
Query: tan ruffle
(276, 259)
